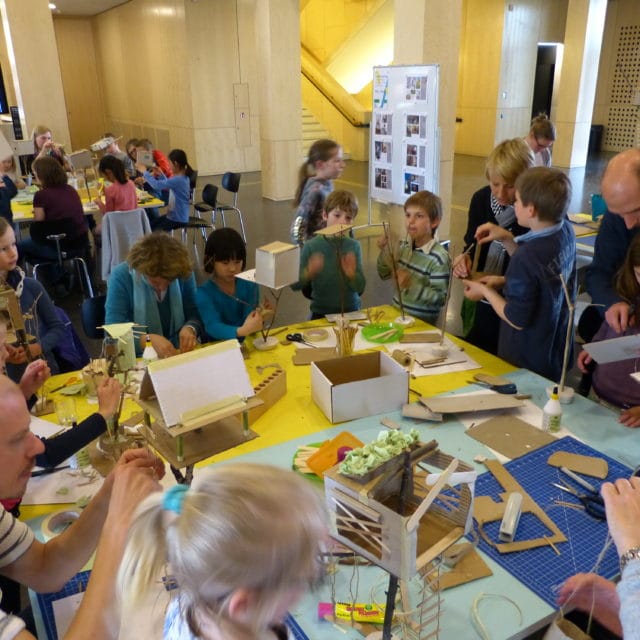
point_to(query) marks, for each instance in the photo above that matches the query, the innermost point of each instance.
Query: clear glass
(66, 411)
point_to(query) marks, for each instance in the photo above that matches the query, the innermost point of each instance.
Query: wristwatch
(628, 556)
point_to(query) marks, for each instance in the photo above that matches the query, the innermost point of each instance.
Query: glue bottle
(149, 354)
(552, 413)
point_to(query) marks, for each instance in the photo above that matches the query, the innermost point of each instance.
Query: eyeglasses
(548, 144)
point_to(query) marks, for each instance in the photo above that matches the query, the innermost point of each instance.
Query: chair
(231, 183)
(208, 205)
(74, 255)
(92, 316)
(120, 230)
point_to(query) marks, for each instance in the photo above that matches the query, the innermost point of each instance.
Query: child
(9, 168)
(325, 164)
(493, 203)
(45, 147)
(42, 320)
(114, 150)
(227, 305)
(331, 266)
(179, 190)
(242, 543)
(159, 158)
(8, 188)
(612, 382)
(423, 264)
(120, 195)
(532, 305)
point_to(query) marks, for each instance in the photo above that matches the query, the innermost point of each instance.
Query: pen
(44, 472)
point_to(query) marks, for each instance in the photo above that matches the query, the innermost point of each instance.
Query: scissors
(297, 337)
(592, 502)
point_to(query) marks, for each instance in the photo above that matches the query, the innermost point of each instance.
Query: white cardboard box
(358, 386)
(277, 264)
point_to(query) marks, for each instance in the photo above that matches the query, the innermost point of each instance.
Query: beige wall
(497, 67)
(620, 13)
(82, 94)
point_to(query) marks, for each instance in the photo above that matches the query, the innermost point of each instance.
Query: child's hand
(630, 417)
(403, 278)
(382, 242)
(583, 361)
(495, 282)
(348, 264)
(252, 323)
(618, 316)
(462, 266)
(141, 168)
(139, 181)
(489, 232)
(473, 289)
(314, 266)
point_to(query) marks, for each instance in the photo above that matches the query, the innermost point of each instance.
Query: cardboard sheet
(614, 350)
(509, 436)
(587, 465)
(471, 402)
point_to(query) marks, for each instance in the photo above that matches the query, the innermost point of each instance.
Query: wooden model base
(198, 444)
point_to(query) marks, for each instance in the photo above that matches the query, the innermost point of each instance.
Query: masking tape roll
(315, 335)
(55, 523)
(401, 357)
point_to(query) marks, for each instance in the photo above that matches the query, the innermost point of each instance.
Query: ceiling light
(52, 6)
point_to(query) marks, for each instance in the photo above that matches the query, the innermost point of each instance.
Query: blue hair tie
(173, 498)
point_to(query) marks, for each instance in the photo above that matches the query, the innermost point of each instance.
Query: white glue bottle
(149, 354)
(552, 413)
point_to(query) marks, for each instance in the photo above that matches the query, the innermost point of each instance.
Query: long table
(295, 420)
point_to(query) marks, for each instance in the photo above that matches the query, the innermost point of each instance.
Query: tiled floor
(266, 221)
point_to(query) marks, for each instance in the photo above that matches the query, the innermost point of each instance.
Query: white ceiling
(84, 7)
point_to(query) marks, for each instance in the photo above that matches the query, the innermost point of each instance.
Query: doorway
(543, 82)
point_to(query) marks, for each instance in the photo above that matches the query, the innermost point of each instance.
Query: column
(278, 47)
(35, 69)
(577, 86)
(428, 32)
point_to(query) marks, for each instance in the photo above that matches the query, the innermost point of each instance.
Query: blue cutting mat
(541, 569)
(77, 584)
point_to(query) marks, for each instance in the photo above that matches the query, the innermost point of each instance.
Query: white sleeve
(10, 626)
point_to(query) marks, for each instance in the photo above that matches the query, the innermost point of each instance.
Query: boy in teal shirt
(332, 265)
(423, 263)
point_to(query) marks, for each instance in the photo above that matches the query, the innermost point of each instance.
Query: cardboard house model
(277, 264)
(199, 402)
(437, 511)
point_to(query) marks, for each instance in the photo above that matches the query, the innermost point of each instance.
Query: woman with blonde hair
(44, 146)
(493, 203)
(156, 289)
(242, 545)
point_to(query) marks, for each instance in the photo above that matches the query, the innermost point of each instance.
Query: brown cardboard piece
(587, 465)
(475, 402)
(485, 510)
(429, 337)
(307, 356)
(509, 436)
(469, 568)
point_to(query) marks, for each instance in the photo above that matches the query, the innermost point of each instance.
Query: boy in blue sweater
(532, 303)
(332, 265)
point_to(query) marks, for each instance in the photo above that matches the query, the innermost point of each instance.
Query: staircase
(312, 130)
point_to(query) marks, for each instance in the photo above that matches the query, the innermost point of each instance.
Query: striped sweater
(429, 267)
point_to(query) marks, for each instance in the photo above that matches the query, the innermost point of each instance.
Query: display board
(405, 147)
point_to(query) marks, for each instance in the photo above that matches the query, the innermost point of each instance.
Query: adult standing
(620, 189)
(540, 139)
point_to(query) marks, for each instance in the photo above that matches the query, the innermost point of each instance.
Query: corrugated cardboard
(358, 386)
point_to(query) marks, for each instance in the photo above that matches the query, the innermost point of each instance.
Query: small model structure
(402, 517)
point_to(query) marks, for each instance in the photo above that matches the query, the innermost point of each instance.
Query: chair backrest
(210, 195)
(92, 314)
(120, 230)
(231, 181)
(193, 179)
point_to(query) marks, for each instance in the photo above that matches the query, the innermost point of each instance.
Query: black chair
(74, 253)
(92, 315)
(207, 205)
(231, 183)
